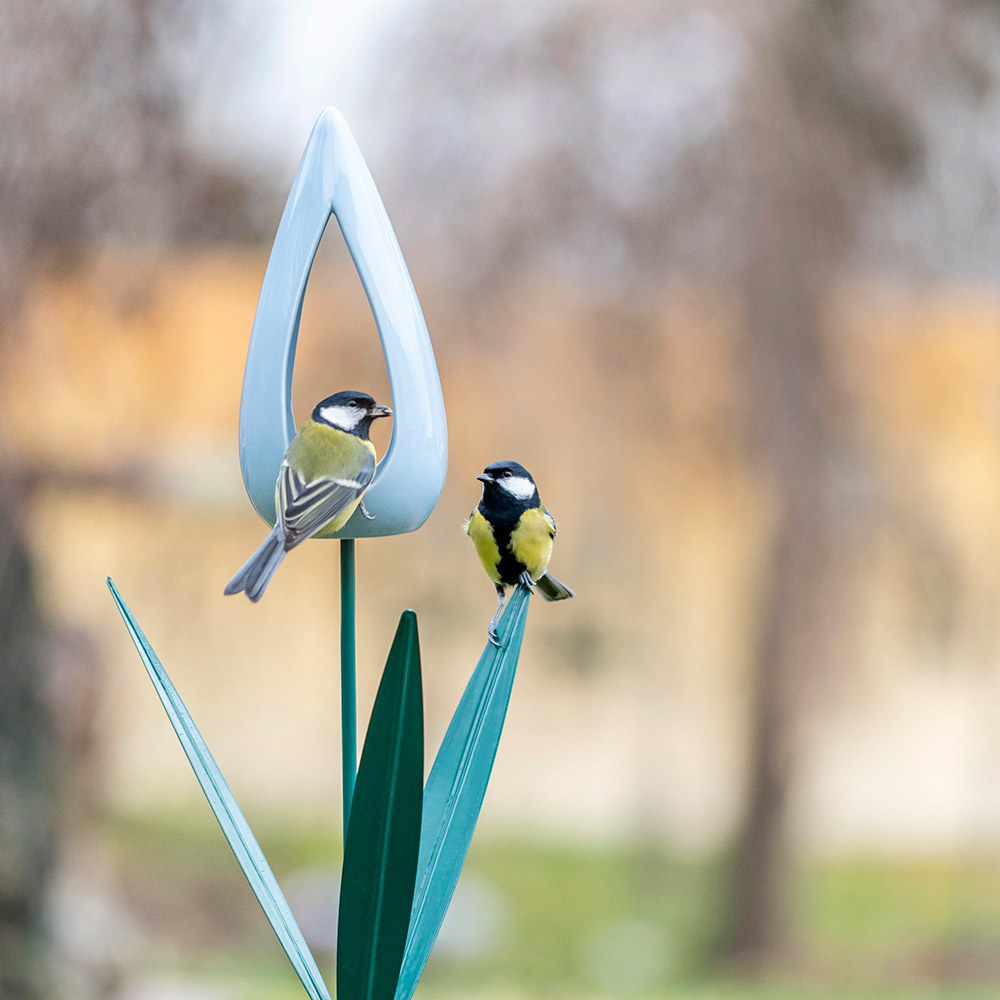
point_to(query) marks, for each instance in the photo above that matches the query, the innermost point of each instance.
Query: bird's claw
(364, 512)
(527, 582)
(491, 634)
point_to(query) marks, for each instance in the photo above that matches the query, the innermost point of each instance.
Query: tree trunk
(798, 213)
(28, 769)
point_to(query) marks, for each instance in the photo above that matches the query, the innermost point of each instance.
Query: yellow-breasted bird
(513, 535)
(324, 475)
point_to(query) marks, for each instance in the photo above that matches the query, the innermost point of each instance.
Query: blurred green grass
(578, 922)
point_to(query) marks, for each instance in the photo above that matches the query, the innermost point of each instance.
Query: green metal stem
(348, 687)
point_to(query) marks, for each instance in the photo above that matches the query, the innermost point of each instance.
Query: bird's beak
(485, 477)
(378, 410)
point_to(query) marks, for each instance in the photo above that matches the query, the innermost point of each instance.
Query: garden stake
(348, 685)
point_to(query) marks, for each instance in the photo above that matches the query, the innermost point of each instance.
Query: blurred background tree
(96, 154)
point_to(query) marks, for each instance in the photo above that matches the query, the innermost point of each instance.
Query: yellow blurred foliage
(628, 714)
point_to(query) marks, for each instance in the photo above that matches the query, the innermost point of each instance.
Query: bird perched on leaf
(513, 535)
(323, 477)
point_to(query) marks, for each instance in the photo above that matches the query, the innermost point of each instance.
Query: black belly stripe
(509, 568)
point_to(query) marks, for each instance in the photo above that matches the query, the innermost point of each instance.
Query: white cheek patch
(518, 486)
(344, 417)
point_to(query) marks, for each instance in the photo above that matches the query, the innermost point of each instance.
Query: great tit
(324, 475)
(513, 535)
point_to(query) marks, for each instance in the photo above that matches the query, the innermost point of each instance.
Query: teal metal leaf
(228, 813)
(456, 787)
(383, 833)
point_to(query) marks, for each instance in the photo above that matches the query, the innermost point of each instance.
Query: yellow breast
(479, 530)
(531, 541)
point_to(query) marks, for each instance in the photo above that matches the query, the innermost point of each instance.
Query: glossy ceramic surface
(333, 179)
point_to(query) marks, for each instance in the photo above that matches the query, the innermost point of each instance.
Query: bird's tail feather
(255, 574)
(551, 589)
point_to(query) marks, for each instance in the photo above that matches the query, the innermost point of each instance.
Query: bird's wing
(305, 507)
(551, 521)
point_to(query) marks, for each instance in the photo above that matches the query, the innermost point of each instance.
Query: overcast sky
(286, 62)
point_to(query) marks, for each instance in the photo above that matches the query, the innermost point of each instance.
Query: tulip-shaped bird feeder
(405, 843)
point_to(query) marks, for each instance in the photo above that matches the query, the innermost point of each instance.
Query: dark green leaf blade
(228, 813)
(383, 832)
(456, 788)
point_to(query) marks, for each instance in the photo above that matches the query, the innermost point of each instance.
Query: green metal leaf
(228, 813)
(456, 787)
(383, 833)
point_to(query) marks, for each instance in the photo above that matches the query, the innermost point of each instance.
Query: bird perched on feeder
(513, 535)
(323, 477)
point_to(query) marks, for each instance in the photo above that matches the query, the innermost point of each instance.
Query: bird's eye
(353, 404)
(507, 474)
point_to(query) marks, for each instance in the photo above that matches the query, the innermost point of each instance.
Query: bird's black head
(349, 411)
(509, 481)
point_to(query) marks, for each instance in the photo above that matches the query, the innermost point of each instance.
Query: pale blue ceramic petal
(333, 178)
(456, 787)
(228, 813)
